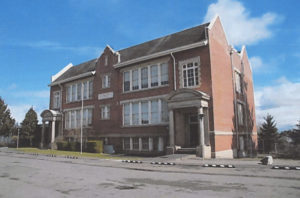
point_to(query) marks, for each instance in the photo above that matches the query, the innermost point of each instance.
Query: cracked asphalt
(24, 175)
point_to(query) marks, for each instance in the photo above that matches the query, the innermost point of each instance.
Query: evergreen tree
(268, 135)
(295, 134)
(6, 121)
(29, 125)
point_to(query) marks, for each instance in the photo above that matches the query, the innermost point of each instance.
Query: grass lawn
(70, 153)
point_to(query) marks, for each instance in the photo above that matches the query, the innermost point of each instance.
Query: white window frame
(238, 82)
(240, 113)
(105, 112)
(194, 67)
(139, 69)
(56, 100)
(106, 81)
(150, 120)
(72, 118)
(87, 91)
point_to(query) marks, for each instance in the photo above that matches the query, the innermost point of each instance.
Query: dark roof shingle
(178, 39)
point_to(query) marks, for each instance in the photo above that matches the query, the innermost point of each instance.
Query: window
(105, 112)
(79, 91)
(154, 75)
(126, 114)
(135, 79)
(73, 118)
(105, 81)
(154, 111)
(164, 111)
(145, 144)
(144, 77)
(135, 143)
(126, 81)
(238, 86)
(106, 61)
(56, 99)
(145, 113)
(240, 113)
(135, 113)
(74, 91)
(164, 74)
(190, 72)
(90, 94)
(126, 143)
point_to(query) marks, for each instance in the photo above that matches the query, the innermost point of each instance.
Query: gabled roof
(178, 39)
(175, 40)
(76, 70)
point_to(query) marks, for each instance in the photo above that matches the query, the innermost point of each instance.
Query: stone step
(186, 151)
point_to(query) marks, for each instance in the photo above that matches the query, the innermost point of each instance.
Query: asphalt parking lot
(24, 175)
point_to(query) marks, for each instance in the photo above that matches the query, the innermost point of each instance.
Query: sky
(38, 38)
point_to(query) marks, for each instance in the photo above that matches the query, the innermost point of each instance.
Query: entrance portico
(53, 118)
(188, 121)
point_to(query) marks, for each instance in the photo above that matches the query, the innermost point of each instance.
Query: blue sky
(38, 38)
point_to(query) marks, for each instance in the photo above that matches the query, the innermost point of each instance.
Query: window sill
(145, 125)
(78, 101)
(145, 89)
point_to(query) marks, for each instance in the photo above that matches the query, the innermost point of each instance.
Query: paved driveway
(24, 175)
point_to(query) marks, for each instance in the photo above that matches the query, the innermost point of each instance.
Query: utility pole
(81, 118)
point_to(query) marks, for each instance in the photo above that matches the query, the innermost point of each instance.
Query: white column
(42, 135)
(160, 144)
(171, 128)
(131, 144)
(140, 144)
(201, 130)
(150, 144)
(53, 132)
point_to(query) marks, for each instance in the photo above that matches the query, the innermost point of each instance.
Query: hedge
(95, 146)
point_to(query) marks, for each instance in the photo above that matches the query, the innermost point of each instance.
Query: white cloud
(50, 45)
(256, 62)
(281, 101)
(240, 27)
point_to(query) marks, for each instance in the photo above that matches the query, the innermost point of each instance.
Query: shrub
(63, 145)
(95, 146)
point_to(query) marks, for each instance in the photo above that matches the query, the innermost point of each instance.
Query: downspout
(235, 103)
(174, 70)
(60, 109)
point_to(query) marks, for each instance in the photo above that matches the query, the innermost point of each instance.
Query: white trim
(232, 133)
(163, 53)
(78, 108)
(213, 21)
(91, 73)
(61, 72)
(142, 99)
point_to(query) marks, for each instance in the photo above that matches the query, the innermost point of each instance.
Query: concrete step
(186, 151)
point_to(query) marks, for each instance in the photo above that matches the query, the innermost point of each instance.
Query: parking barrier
(219, 165)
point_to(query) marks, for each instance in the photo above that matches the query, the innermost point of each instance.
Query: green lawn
(70, 153)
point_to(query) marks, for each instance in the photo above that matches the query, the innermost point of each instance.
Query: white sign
(105, 95)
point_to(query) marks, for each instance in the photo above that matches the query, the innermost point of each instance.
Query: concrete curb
(163, 163)
(219, 165)
(132, 161)
(286, 167)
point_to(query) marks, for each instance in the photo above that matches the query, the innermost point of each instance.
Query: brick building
(185, 91)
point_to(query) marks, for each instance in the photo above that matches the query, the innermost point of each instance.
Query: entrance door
(193, 126)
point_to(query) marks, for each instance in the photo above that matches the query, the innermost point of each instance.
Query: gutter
(91, 73)
(174, 70)
(163, 53)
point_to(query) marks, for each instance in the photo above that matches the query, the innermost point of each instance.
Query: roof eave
(163, 53)
(86, 74)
